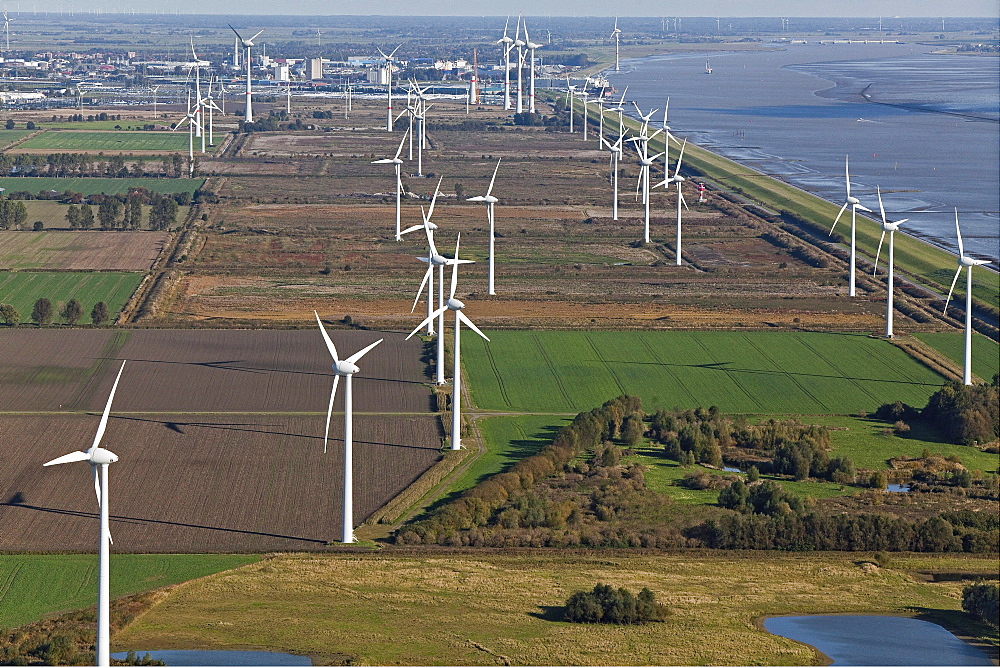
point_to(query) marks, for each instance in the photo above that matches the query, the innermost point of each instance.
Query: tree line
(124, 212)
(42, 313)
(89, 164)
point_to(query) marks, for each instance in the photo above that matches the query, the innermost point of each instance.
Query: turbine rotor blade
(881, 210)
(107, 409)
(879, 251)
(680, 158)
(326, 337)
(78, 456)
(329, 411)
(454, 268)
(426, 320)
(958, 231)
(842, 209)
(464, 318)
(490, 189)
(847, 175)
(97, 485)
(427, 274)
(437, 189)
(353, 359)
(951, 289)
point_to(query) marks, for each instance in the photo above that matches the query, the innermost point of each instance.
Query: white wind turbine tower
(616, 155)
(209, 103)
(398, 165)
(584, 94)
(531, 46)
(619, 107)
(99, 459)
(615, 34)
(855, 205)
(192, 120)
(456, 393)
(508, 44)
(388, 87)
(667, 137)
(432, 254)
(490, 201)
(6, 29)
(154, 101)
(570, 96)
(519, 43)
(248, 44)
(346, 368)
(891, 229)
(963, 262)
(196, 65)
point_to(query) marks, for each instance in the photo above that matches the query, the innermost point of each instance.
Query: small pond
(876, 640)
(897, 488)
(731, 469)
(205, 657)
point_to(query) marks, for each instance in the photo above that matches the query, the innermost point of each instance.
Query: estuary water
(924, 127)
(197, 657)
(873, 640)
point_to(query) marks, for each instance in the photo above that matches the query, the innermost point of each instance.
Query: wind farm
(641, 354)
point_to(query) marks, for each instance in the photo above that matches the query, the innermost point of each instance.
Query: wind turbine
(99, 459)
(531, 46)
(154, 101)
(508, 44)
(963, 262)
(346, 368)
(192, 120)
(6, 29)
(456, 393)
(398, 165)
(570, 96)
(855, 205)
(429, 229)
(678, 179)
(615, 35)
(891, 229)
(247, 44)
(209, 103)
(388, 87)
(619, 107)
(519, 43)
(585, 94)
(490, 201)
(646, 162)
(616, 155)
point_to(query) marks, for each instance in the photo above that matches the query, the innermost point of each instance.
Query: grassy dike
(482, 608)
(928, 265)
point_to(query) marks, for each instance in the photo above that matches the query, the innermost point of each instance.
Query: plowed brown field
(100, 251)
(203, 483)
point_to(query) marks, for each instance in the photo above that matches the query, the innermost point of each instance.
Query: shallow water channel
(875, 640)
(197, 657)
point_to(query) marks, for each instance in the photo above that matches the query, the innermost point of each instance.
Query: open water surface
(924, 127)
(875, 640)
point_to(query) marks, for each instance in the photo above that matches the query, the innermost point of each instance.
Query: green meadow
(33, 586)
(23, 288)
(109, 142)
(740, 372)
(985, 352)
(94, 185)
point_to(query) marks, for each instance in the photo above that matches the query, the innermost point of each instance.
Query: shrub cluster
(982, 601)
(966, 413)
(607, 605)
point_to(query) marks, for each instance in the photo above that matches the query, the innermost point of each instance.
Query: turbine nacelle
(966, 261)
(345, 368)
(489, 199)
(102, 456)
(454, 304)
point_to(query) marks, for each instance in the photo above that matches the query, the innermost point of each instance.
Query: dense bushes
(966, 413)
(982, 601)
(607, 605)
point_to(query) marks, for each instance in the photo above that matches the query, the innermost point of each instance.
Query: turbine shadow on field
(723, 366)
(142, 520)
(177, 427)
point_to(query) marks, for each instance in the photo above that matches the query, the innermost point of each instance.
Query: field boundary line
(552, 369)
(666, 366)
(611, 371)
(733, 378)
(844, 375)
(787, 375)
(500, 383)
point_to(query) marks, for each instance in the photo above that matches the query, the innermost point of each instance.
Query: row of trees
(982, 601)
(12, 214)
(42, 313)
(124, 212)
(89, 164)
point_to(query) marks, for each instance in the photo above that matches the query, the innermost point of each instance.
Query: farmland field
(34, 586)
(208, 371)
(391, 609)
(204, 483)
(52, 215)
(102, 251)
(985, 353)
(22, 288)
(93, 185)
(9, 136)
(752, 372)
(109, 142)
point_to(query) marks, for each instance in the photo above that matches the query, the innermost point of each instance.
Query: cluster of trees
(982, 601)
(794, 449)
(124, 212)
(42, 313)
(88, 164)
(766, 497)
(12, 214)
(507, 501)
(966, 413)
(814, 531)
(272, 122)
(607, 605)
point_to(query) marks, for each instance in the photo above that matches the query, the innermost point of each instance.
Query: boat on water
(708, 68)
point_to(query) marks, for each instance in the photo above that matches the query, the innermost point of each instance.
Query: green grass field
(7, 137)
(493, 609)
(740, 372)
(109, 142)
(22, 289)
(93, 185)
(33, 586)
(985, 352)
